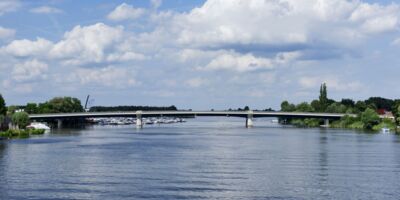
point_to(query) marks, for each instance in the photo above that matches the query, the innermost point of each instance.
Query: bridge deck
(244, 114)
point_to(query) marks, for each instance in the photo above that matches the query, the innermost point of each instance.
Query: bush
(369, 118)
(357, 125)
(21, 119)
(37, 131)
(21, 133)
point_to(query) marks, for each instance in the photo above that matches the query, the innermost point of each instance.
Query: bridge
(248, 115)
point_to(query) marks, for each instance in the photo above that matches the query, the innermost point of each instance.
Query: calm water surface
(206, 158)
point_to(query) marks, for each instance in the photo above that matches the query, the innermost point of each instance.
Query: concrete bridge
(248, 115)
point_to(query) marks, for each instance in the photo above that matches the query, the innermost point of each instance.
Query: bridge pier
(139, 120)
(326, 123)
(249, 119)
(59, 123)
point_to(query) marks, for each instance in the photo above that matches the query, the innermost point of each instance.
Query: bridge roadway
(249, 115)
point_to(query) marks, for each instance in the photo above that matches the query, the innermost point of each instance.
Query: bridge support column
(59, 123)
(249, 119)
(326, 123)
(139, 121)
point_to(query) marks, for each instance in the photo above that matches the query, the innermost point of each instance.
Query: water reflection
(203, 159)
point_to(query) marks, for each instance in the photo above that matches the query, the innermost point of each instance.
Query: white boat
(385, 130)
(37, 125)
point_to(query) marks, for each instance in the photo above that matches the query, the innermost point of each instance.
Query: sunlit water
(205, 158)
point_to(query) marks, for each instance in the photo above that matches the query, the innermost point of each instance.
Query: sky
(198, 54)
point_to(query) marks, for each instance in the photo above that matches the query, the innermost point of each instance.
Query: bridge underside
(248, 115)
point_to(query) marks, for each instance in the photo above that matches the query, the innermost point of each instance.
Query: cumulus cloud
(83, 45)
(97, 43)
(248, 62)
(156, 3)
(292, 24)
(45, 10)
(240, 63)
(9, 6)
(29, 48)
(6, 33)
(196, 82)
(109, 76)
(125, 12)
(29, 71)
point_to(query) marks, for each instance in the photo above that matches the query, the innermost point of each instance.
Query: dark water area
(205, 158)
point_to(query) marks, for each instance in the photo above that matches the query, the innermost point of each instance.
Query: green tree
(3, 108)
(21, 119)
(348, 102)
(61, 105)
(360, 106)
(316, 105)
(336, 108)
(304, 107)
(323, 97)
(398, 114)
(31, 108)
(2, 118)
(246, 108)
(369, 118)
(287, 107)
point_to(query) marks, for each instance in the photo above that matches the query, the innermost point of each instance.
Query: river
(205, 158)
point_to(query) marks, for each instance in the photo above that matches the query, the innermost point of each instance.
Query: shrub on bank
(37, 131)
(21, 133)
(386, 123)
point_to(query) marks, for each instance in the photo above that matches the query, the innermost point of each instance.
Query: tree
(398, 114)
(21, 119)
(323, 97)
(304, 107)
(3, 108)
(380, 103)
(361, 106)
(31, 108)
(348, 102)
(370, 118)
(2, 118)
(246, 108)
(61, 105)
(336, 108)
(286, 107)
(316, 105)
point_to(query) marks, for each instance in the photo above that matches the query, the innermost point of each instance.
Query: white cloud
(94, 44)
(24, 47)
(396, 41)
(127, 56)
(45, 10)
(238, 23)
(248, 62)
(239, 63)
(156, 3)
(125, 12)
(9, 6)
(6, 33)
(108, 76)
(87, 44)
(29, 71)
(196, 82)
(381, 24)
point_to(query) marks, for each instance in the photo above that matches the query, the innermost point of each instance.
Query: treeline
(324, 104)
(367, 111)
(130, 108)
(54, 105)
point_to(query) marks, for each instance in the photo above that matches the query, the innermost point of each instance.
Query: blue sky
(198, 54)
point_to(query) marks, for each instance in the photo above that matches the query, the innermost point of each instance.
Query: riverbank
(23, 133)
(347, 122)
